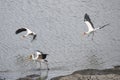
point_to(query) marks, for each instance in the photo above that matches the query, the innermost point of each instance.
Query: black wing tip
(20, 30)
(16, 32)
(86, 14)
(86, 17)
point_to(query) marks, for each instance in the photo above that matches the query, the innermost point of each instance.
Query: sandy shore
(92, 74)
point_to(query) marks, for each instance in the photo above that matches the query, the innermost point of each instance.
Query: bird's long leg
(92, 35)
(88, 35)
(46, 62)
(40, 65)
(47, 65)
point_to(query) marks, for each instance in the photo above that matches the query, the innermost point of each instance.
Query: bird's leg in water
(40, 65)
(46, 62)
(47, 65)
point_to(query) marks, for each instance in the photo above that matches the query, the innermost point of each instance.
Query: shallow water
(59, 25)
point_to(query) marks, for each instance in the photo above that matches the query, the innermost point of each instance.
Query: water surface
(59, 25)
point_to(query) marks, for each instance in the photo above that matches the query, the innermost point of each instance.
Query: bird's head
(84, 33)
(30, 57)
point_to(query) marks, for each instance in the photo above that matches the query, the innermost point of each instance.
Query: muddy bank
(93, 74)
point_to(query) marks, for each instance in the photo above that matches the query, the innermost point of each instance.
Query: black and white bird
(29, 32)
(91, 28)
(39, 56)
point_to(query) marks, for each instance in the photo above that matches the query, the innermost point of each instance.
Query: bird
(29, 32)
(91, 28)
(39, 56)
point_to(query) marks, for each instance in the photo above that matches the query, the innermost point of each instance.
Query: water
(59, 25)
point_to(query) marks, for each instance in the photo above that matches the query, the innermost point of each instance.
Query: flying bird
(39, 57)
(29, 32)
(91, 28)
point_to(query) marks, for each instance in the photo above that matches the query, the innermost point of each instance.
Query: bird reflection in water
(42, 75)
(31, 73)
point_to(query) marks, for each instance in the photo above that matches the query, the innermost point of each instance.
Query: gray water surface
(59, 25)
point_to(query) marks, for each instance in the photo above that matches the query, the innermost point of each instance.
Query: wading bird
(91, 28)
(39, 57)
(29, 32)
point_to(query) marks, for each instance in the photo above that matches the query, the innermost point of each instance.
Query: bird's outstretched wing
(103, 26)
(87, 20)
(20, 30)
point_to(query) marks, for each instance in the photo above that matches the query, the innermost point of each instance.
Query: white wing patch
(90, 28)
(28, 31)
(38, 53)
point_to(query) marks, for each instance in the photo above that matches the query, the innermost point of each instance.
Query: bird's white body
(38, 53)
(35, 57)
(38, 57)
(29, 32)
(90, 26)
